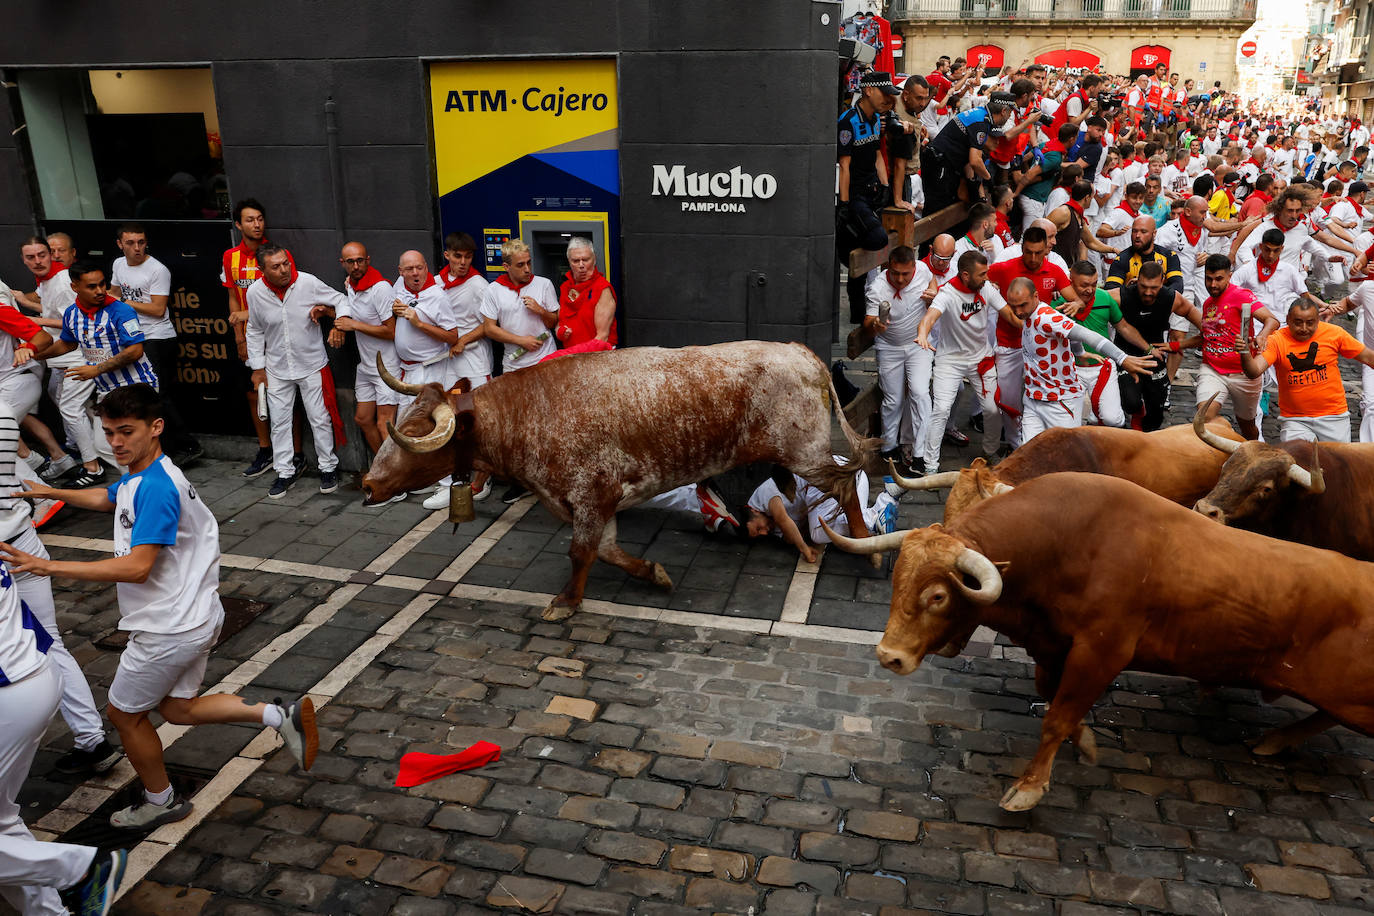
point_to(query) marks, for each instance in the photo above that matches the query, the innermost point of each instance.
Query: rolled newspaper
(262, 401)
(1245, 322)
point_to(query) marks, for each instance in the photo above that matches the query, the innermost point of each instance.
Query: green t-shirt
(1105, 313)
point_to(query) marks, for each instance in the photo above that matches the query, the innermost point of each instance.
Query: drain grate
(239, 613)
(96, 831)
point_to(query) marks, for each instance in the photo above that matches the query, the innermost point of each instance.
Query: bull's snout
(896, 660)
(1205, 508)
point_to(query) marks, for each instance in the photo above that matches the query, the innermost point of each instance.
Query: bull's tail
(837, 480)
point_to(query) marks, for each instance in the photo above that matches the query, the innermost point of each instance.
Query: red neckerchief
(429, 281)
(281, 293)
(1260, 196)
(1127, 207)
(1263, 274)
(895, 295)
(1231, 198)
(1190, 232)
(958, 283)
(504, 280)
(1076, 207)
(449, 282)
(1054, 146)
(55, 267)
(1358, 209)
(368, 280)
(90, 312)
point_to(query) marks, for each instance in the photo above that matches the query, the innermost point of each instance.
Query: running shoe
(281, 485)
(99, 759)
(144, 815)
(261, 464)
(329, 481)
(44, 510)
(86, 479)
(976, 421)
(298, 730)
(892, 488)
(482, 492)
(439, 500)
(94, 893)
(298, 463)
(715, 514)
(51, 469)
(887, 522)
(513, 493)
(955, 437)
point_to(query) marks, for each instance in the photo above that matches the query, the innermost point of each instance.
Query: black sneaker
(94, 893)
(261, 464)
(85, 478)
(298, 463)
(513, 493)
(99, 759)
(281, 485)
(976, 421)
(329, 481)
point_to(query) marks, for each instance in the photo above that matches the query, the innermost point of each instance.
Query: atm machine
(548, 232)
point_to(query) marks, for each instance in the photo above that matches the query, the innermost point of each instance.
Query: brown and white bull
(1170, 462)
(1317, 494)
(1093, 575)
(595, 433)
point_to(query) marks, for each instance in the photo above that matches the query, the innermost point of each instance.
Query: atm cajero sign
(717, 192)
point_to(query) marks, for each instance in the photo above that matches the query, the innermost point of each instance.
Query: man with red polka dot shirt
(1053, 393)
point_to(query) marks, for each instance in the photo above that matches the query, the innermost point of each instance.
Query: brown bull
(1169, 461)
(596, 433)
(1312, 493)
(1093, 575)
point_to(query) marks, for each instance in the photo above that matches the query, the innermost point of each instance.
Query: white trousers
(31, 872)
(1011, 369)
(833, 513)
(20, 389)
(1031, 210)
(281, 403)
(1042, 415)
(73, 397)
(904, 377)
(945, 379)
(680, 499)
(1102, 398)
(78, 705)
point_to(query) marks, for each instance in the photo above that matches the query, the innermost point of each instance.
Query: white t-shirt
(1295, 242)
(466, 300)
(23, 640)
(908, 308)
(140, 284)
(1278, 292)
(1176, 179)
(1172, 236)
(505, 306)
(159, 506)
(964, 244)
(412, 344)
(1057, 198)
(15, 515)
(965, 321)
(371, 306)
(56, 296)
(281, 336)
(1211, 146)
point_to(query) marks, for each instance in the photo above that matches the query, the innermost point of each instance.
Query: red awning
(1073, 60)
(1147, 57)
(990, 56)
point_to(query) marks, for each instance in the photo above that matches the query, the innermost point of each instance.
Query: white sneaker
(438, 501)
(34, 460)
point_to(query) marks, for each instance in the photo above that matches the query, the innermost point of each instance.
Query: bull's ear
(463, 387)
(466, 421)
(979, 462)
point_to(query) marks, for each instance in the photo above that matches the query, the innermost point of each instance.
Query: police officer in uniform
(957, 151)
(863, 178)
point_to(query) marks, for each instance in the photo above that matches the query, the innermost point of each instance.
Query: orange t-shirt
(1308, 372)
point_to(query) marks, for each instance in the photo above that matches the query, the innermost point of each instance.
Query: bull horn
(931, 482)
(444, 425)
(1312, 480)
(878, 543)
(1206, 435)
(984, 570)
(393, 383)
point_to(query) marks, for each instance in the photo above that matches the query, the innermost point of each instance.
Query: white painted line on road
(797, 605)
(404, 544)
(485, 541)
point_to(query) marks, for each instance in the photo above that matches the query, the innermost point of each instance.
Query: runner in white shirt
(1273, 280)
(903, 291)
(1286, 215)
(784, 505)
(520, 309)
(1053, 394)
(166, 564)
(1361, 301)
(965, 352)
(940, 261)
(425, 327)
(286, 351)
(1175, 181)
(368, 315)
(145, 283)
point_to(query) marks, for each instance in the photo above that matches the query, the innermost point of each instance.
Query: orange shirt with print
(1308, 372)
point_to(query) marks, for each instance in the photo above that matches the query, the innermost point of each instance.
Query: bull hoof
(661, 577)
(876, 559)
(1021, 799)
(1086, 743)
(556, 612)
(1269, 745)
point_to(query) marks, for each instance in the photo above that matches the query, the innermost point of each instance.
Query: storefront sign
(1147, 57)
(1069, 60)
(719, 192)
(987, 56)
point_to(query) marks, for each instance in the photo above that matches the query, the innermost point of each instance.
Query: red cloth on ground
(417, 768)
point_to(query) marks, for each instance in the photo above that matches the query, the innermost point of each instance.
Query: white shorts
(1315, 429)
(1177, 323)
(1235, 389)
(20, 389)
(369, 387)
(155, 666)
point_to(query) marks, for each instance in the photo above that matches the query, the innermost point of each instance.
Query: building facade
(1196, 38)
(694, 143)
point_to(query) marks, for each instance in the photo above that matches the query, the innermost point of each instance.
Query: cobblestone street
(731, 746)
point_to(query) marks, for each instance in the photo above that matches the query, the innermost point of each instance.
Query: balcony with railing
(912, 10)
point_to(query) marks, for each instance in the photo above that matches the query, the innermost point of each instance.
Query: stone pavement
(728, 746)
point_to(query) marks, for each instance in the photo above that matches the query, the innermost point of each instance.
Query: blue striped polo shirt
(105, 333)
